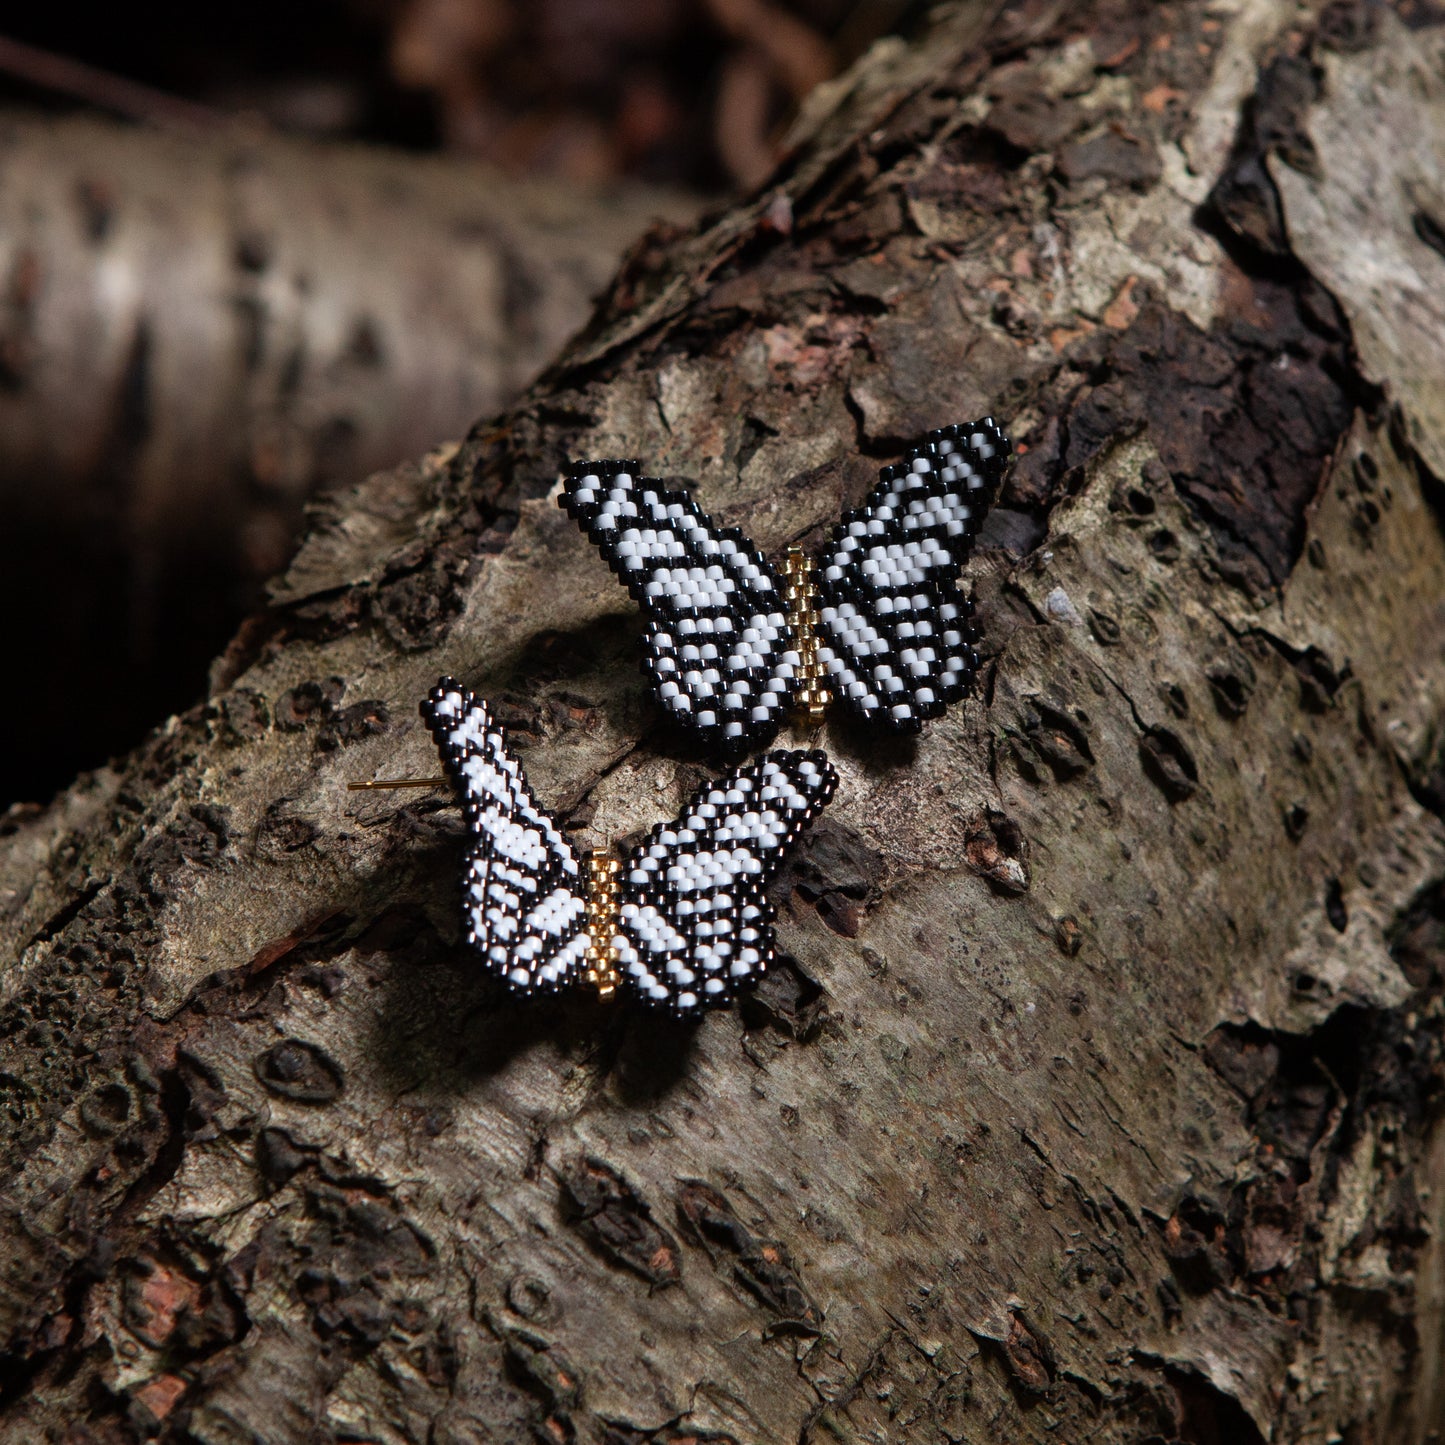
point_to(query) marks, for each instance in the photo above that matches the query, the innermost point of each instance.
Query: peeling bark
(1097, 1098)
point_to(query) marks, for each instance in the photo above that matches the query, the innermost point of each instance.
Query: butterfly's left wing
(524, 900)
(718, 648)
(694, 924)
(896, 634)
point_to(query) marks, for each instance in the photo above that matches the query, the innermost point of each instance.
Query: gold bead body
(602, 895)
(800, 596)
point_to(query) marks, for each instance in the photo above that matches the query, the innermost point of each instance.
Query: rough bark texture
(1098, 1099)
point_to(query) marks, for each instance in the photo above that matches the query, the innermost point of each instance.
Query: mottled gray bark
(214, 326)
(1097, 1099)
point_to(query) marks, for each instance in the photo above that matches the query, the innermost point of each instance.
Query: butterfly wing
(897, 635)
(694, 923)
(717, 648)
(522, 908)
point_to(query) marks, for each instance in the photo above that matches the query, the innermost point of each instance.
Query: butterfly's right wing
(695, 924)
(717, 649)
(524, 897)
(896, 634)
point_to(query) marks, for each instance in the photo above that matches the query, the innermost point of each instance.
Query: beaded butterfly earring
(680, 922)
(731, 646)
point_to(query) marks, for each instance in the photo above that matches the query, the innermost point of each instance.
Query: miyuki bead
(731, 646)
(680, 922)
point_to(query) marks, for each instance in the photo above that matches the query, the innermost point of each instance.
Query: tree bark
(208, 323)
(1097, 1098)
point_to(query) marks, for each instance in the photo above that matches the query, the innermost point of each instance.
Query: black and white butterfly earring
(680, 922)
(731, 646)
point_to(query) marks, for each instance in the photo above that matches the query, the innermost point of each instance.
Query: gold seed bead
(602, 894)
(810, 696)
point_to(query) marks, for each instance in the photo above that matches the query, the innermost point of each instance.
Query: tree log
(199, 332)
(1097, 1097)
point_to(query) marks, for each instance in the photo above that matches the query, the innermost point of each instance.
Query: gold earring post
(380, 783)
